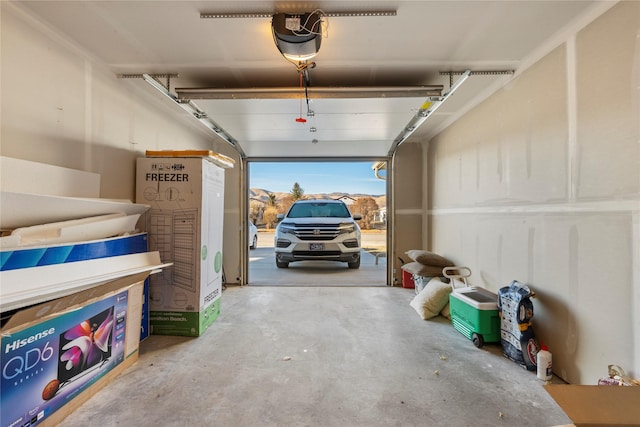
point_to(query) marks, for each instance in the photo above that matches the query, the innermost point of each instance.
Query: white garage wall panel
(541, 183)
(61, 107)
(608, 110)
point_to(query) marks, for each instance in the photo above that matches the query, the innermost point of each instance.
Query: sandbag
(516, 333)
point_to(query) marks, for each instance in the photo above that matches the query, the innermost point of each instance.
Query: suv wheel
(355, 264)
(282, 264)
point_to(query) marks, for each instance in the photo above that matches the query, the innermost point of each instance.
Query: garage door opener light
(297, 37)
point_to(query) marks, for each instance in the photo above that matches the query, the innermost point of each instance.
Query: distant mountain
(263, 196)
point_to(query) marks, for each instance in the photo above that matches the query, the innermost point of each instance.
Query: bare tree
(270, 216)
(285, 203)
(272, 201)
(256, 210)
(367, 207)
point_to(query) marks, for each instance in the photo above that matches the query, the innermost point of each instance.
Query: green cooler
(474, 313)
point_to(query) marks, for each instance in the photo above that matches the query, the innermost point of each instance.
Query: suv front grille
(316, 232)
(316, 253)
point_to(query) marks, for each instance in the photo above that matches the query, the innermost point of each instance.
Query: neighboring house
(347, 200)
(381, 215)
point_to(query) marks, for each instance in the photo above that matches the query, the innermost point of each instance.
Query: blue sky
(329, 177)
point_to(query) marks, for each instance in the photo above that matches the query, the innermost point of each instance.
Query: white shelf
(23, 287)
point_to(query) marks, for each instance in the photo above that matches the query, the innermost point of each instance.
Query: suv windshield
(320, 209)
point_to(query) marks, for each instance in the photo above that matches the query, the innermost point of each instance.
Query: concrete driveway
(263, 270)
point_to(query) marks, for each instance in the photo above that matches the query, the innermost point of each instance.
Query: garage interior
(511, 133)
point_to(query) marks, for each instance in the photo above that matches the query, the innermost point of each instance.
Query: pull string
(301, 119)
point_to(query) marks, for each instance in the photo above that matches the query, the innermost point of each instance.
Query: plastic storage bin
(407, 280)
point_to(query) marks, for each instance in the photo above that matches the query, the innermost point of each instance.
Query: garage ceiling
(417, 47)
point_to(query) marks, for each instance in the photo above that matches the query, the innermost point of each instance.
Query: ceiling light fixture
(297, 37)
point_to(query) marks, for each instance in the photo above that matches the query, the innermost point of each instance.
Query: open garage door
(356, 184)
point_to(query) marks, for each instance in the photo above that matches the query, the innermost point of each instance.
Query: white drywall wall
(541, 183)
(61, 107)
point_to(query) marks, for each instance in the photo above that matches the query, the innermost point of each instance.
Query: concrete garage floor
(263, 270)
(321, 356)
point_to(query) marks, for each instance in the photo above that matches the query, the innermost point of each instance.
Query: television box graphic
(185, 192)
(57, 354)
(144, 327)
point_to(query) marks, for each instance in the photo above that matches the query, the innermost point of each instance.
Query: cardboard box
(184, 323)
(185, 224)
(57, 354)
(588, 405)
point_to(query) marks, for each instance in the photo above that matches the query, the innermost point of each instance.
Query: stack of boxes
(73, 308)
(72, 273)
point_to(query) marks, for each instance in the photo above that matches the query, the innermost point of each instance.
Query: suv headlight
(346, 227)
(286, 228)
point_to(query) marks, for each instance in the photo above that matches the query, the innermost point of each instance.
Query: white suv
(318, 230)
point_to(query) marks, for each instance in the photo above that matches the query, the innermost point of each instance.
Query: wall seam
(610, 206)
(635, 295)
(572, 145)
